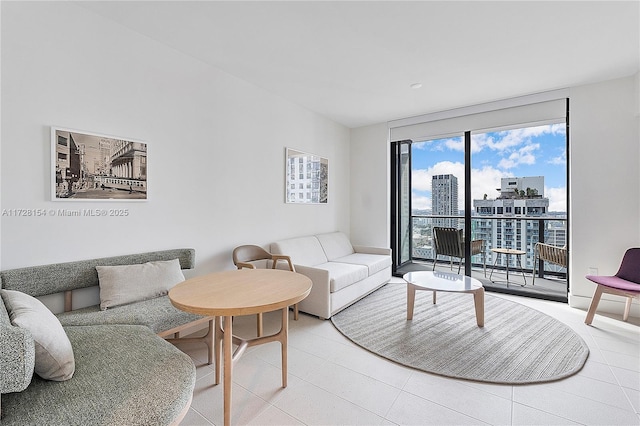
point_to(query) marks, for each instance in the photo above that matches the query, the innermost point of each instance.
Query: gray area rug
(517, 345)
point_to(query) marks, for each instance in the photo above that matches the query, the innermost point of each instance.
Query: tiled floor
(334, 382)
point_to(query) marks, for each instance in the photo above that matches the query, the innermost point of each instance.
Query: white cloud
(510, 139)
(557, 199)
(456, 144)
(420, 202)
(485, 181)
(421, 180)
(560, 160)
(522, 156)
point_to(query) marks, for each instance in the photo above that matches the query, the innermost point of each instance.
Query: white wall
(216, 144)
(370, 186)
(604, 179)
(604, 176)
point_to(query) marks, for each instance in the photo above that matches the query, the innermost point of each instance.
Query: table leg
(521, 270)
(478, 300)
(494, 266)
(228, 365)
(217, 347)
(508, 258)
(411, 300)
(284, 339)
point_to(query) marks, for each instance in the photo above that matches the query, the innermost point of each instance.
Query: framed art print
(88, 166)
(307, 178)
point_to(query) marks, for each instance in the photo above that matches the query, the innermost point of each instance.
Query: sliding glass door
(401, 204)
(506, 186)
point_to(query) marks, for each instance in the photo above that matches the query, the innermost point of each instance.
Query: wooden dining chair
(252, 257)
(626, 283)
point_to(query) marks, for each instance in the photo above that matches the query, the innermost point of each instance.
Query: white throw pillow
(131, 283)
(54, 354)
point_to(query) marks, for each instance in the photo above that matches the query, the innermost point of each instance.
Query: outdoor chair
(251, 256)
(548, 253)
(450, 242)
(626, 283)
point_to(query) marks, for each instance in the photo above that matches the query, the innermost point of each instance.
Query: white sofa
(341, 273)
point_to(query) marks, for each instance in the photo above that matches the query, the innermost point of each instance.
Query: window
(508, 157)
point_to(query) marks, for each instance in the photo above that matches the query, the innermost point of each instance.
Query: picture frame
(96, 167)
(307, 178)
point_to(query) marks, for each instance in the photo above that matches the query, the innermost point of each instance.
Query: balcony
(550, 281)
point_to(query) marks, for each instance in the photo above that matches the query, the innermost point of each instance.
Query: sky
(531, 151)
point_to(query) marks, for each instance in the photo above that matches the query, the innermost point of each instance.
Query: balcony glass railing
(516, 232)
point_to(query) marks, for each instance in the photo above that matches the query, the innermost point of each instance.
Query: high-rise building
(520, 201)
(444, 199)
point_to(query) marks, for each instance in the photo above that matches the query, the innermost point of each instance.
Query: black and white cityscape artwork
(96, 167)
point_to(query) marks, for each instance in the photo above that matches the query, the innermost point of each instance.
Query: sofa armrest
(17, 358)
(318, 301)
(319, 277)
(372, 250)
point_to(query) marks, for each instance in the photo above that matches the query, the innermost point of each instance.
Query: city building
(510, 220)
(444, 199)
(129, 160)
(68, 164)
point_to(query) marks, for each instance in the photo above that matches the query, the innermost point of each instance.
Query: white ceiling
(353, 61)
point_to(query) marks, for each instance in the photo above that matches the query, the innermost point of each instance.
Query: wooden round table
(241, 292)
(508, 252)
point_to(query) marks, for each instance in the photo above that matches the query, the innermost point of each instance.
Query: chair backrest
(249, 253)
(630, 266)
(448, 241)
(553, 254)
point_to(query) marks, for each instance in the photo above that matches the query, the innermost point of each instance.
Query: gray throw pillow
(124, 284)
(54, 354)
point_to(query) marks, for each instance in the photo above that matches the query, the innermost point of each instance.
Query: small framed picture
(93, 167)
(307, 178)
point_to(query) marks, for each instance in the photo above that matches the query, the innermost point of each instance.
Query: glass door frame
(401, 224)
(397, 211)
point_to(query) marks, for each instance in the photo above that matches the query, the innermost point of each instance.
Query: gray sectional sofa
(125, 371)
(341, 273)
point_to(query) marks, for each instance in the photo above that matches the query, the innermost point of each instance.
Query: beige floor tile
(334, 382)
(409, 409)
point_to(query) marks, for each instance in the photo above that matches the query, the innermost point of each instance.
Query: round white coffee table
(444, 281)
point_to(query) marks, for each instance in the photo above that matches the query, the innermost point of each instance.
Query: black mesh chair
(450, 242)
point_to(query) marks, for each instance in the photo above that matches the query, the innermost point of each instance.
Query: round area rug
(517, 344)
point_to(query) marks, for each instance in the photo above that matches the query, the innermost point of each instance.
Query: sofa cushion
(131, 283)
(54, 358)
(17, 355)
(158, 314)
(125, 375)
(342, 275)
(305, 251)
(374, 262)
(335, 245)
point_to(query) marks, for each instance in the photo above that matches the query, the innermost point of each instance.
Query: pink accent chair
(625, 283)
